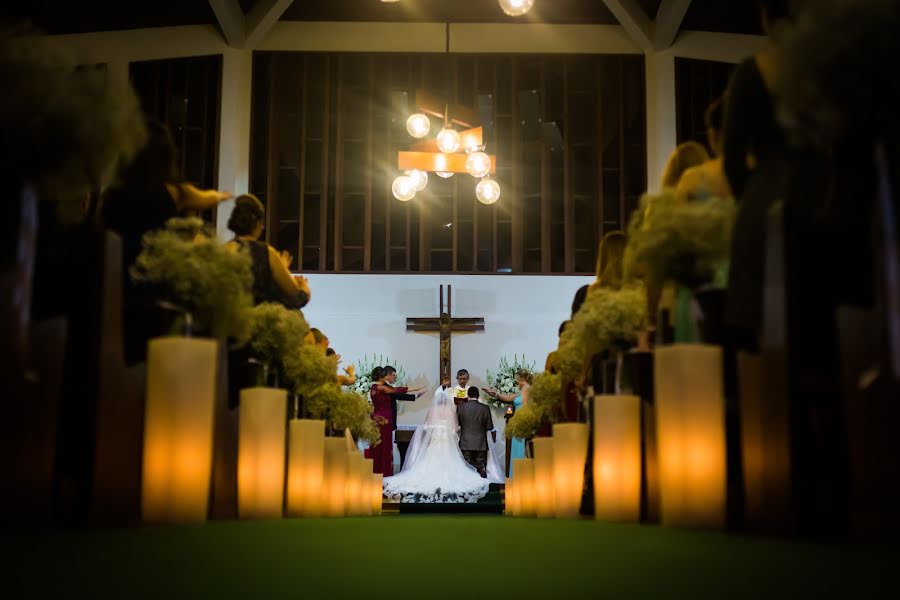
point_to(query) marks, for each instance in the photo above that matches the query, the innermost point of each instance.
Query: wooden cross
(445, 325)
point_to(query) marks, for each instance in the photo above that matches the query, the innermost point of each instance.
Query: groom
(474, 423)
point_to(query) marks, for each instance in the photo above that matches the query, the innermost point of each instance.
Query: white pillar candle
(335, 482)
(691, 434)
(570, 442)
(306, 468)
(543, 477)
(178, 429)
(261, 445)
(523, 470)
(617, 457)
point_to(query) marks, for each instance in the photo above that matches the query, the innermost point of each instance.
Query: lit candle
(524, 478)
(543, 477)
(353, 484)
(178, 429)
(377, 492)
(617, 457)
(305, 468)
(691, 434)
(261, 443)
(570, 442)
(366, 487)
(512, 498)
(335, 478)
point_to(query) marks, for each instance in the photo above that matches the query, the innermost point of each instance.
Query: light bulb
(420, 178)
(404, 188)
(478, 164)
(448, 140)
(418, 125)
(516, 8)
(487, 191)
(445, 174)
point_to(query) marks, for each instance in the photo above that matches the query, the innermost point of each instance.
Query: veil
(441, 415)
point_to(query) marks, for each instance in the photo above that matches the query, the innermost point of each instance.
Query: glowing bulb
(478, 164)
(448, 140)
(487, 191)
(418, 125)
(445, 174)
(420, 178)
(516, 8)
(404, 188)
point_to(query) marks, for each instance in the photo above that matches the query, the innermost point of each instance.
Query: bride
(435, 470)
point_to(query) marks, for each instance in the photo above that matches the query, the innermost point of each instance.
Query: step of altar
(492, 503)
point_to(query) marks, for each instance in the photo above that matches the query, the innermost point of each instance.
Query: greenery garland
(199, 274)
(669, 238)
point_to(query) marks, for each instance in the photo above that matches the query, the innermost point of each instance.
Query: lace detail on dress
(438, 497)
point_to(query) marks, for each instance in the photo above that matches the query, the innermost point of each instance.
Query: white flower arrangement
(504, 378)
(364, 370)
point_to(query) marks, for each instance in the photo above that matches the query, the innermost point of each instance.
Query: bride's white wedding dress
(434, 469)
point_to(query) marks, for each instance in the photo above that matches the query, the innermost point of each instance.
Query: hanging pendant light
(478, 164)
(516, 8)
(420, 178)
(444, 174)
(487, 191)
(418, 125)
(403, 188)
(448, 140)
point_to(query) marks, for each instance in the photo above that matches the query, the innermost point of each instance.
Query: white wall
(366, 314)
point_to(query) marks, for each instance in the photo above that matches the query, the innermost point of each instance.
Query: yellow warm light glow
(353, 483)
(305, 468)
(437, 162)
(178, 429)
(335, 481)
(523, 474)
(377, 492)
(366, 465)
(513, 498)
(617, 457)
(691, 434)
(261, 443)
(570, 442)
(543, 477)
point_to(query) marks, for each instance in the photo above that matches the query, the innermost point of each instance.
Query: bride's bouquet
(364, 370)
(504, 378)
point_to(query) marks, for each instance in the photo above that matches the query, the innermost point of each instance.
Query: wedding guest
(272, 279)
(385, 415)
(148, 193)
(707, 179)
(610, 261)
(517, 399)
(683, 157)
(752, 136)
(349, 376)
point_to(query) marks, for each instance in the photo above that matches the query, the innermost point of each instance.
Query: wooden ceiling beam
(231, 21)
(668, 22)
(634, 21)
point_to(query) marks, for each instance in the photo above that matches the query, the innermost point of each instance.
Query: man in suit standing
(474, 423)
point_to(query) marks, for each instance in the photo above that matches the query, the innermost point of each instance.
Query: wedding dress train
(434, 469)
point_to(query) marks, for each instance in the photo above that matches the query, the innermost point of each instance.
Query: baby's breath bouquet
(525, 423)
(200, 276)
(276, 332)
(610, 319)
(504, 378)
(669, 238)
(342, 410)
(364, 368)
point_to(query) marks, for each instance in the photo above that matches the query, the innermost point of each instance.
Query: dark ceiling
(67, 16)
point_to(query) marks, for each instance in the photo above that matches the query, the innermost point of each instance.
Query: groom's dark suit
(474, 423)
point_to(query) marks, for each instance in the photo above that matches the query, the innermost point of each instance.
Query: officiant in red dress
(385, 415)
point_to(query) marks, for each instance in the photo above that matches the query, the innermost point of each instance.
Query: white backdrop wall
(366, 315)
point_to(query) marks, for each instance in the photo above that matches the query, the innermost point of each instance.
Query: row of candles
(690, 445)
(295, 470)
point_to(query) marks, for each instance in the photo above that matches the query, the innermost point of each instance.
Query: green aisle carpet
(417, 557)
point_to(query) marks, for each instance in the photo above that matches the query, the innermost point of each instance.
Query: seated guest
(272, 281)
(707, 179)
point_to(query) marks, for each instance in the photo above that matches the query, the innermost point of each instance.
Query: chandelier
(451, 150)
